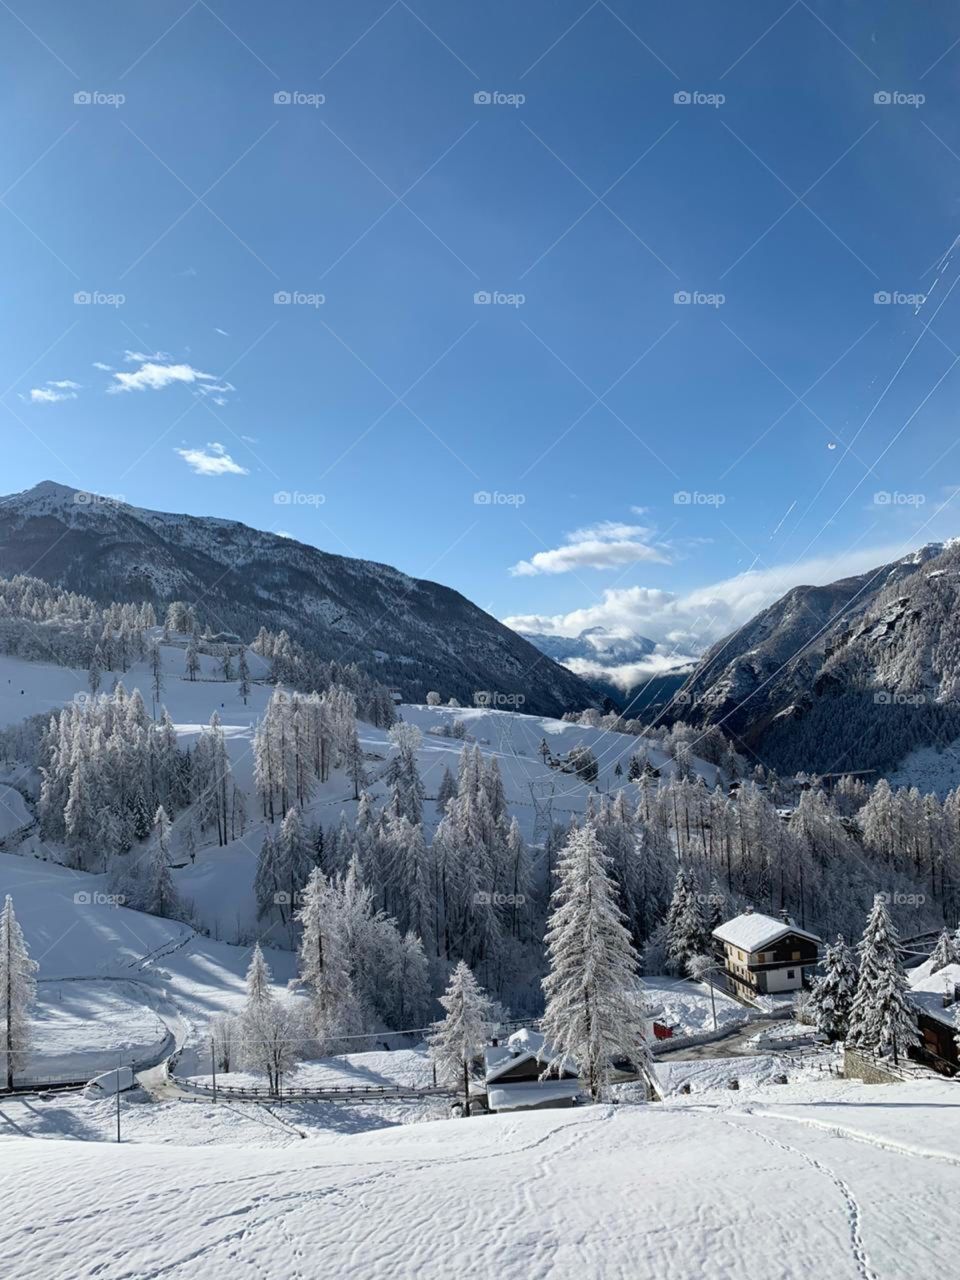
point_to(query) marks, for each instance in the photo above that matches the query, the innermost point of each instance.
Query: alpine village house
(763, 955)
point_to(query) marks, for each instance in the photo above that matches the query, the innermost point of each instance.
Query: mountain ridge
(413, 633)
(851, 675)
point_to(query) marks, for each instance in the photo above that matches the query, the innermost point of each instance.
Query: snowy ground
(810, 1181)
(929, 768)
(686, 1007)
(84, 1026)
(179, 976)
(408, 1067)
(765, 1071)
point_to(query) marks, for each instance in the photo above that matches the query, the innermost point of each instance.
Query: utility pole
(713, 1001)
(118, 1096)
(213, 1066)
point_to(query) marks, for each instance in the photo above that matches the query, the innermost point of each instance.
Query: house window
(791, 973)
(795, 955)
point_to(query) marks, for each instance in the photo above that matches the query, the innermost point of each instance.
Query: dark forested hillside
(848, 676)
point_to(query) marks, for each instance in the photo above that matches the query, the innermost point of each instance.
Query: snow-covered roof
(523, 1046)
(753, 931)
(926, 991)
(531, 1093)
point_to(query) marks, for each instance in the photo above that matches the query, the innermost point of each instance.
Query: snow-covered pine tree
(460, 1036)
(411, 981)
(881, 1015)
(446, 790)
(95, 671)
(324, 960)
(686, 934)
(192, 659)
(944, 953)
(833, 993)
(18, 988)
(159, 894)
(243, 675)
(156, 673)
(594, 998)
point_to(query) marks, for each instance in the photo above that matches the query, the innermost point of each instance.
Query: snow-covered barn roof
(753, 931)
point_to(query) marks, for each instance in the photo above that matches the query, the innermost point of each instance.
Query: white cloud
(223, 333)
(689, 622)
(212, 461)
(55, 390)
(138, 357)
(600, 546)
(155, 377)
(627, 675)
(104, 368)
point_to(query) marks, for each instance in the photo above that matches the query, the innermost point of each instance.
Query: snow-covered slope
(220, 883)
(860, 1190)
(407, 632)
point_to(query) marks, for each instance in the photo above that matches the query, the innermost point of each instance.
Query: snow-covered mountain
(634, 672)
(842, 677)
(408, 632)
(596, 644)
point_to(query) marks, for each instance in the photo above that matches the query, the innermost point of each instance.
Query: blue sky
(584, 397)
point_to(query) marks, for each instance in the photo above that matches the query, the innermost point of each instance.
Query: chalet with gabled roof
(765, 955)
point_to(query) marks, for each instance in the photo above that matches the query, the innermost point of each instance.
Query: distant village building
(936, 999)
(512, 1074)
(764, 955)
(222, 637)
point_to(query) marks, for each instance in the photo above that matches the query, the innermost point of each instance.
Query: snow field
(638, 1192)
